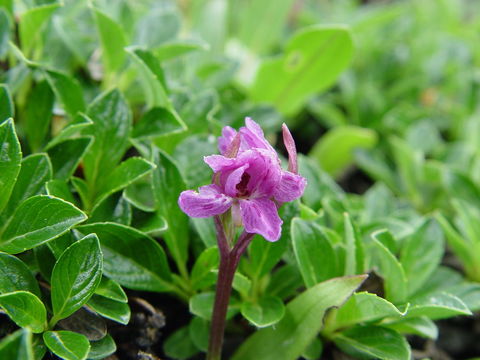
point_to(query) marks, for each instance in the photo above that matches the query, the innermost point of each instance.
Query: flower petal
(290, 187)
(260, 216)
(208, 201)
(224, 141)
(220, 163)
(233, 180)
(291, 149)
(253, 137)
(264, 170)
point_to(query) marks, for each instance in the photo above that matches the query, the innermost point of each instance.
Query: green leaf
(15, 275)
(179, 345)
(151, 75)
(5, 26)
(140, 194)
(203, 274)
(375, 342)
(111, 126)
(112, 41)
(75, 276)
(265, 312)
(167, 186)
(438, 306)
(202, 305)
(112, 209)
(60, 189)
(364, 307)
(67, 155)
(10, 160)
(315, 255)
(158, 122)
(388, 266)
(199, 331)
(421, 326)
(45, 259)
(17, 346)
(86, 322)
(111, 289)
(67, 345)
(461, 186)
(110, 309)
(8, 109)
(37, 220)
(102, 348)
(256, 33)
(25, 309)
(38, 115)
(131, 258)
(31, 22)
(284, 282)
(178, 48)
(125, 174)
(67, 90)
(264, 255)
(151, 224)
(335, 150)
(79, 122)
(35, 171)
(422, 254)
(313, 59)
(289, 338)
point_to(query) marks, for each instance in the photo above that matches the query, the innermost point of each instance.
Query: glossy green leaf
(140, 194)
(265, 255)
(79, 122)
(102, 348)
(17, 346)
(7, 110)
(131, 258)
(45, 259)
(112, 121)
(203, 274)
(75, 276)
(422, 254)
(67, 345)
(31, 21)
(313, 59)
(67, 90)
(167, 186)
(302, 321)
(67, 155)
(158, 122)
(364, 307)
(25, 309)
(152, 78)
(35, 171)
(152, 224)
(112, 40)
(438, 306)
(388, 266)
(265, 312)
(38, 115)
(112, 209)
(335, 150)
(421, 326)
(60, 189)
(37, 220)
(110, 309)
(315, 255)
(374, 342)
(125, 174)
(354, 252)
(179, 345)
(10, 160)
(16, 276)
(111, 289)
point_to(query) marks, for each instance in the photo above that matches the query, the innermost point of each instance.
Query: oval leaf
(265, 312)
(67, 345)
(25, 309)
(10, 160)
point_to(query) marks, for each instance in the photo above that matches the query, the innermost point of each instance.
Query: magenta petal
(291, 187)
(208, 201)
(219, 162)
(234, 179)
(260, 216)
(291, 149)
(253, 137)
(225, 140)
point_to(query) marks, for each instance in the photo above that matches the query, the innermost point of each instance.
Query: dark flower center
(242, 186)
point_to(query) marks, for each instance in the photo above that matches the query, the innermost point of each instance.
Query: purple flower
(248, 180)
